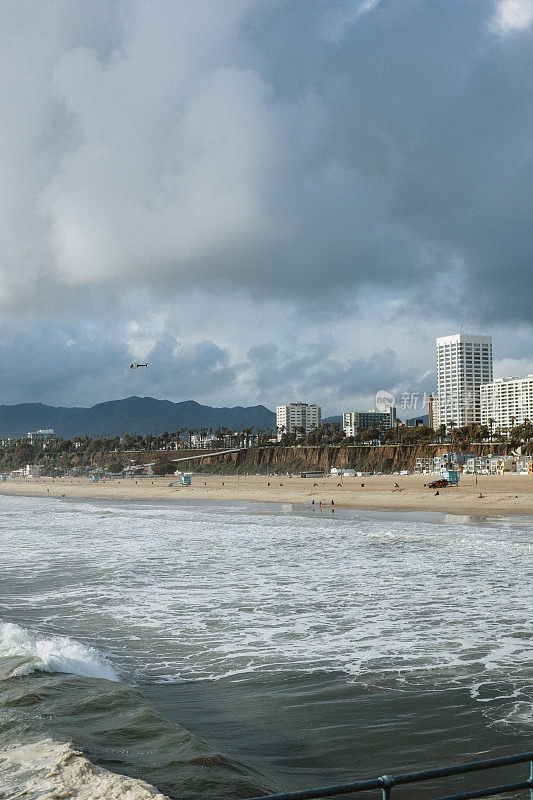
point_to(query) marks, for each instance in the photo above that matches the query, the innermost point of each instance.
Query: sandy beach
(509, 494)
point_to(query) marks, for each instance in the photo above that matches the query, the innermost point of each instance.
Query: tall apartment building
(297, 415)
(433, 411)
(464, 362)
(507, 401)
(352, 421)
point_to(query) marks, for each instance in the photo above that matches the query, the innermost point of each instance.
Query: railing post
(387, 782)
(386, 787)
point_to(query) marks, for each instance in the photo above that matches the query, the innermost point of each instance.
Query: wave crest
(52, 654)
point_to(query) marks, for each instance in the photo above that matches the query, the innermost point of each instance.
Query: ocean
(209, 649)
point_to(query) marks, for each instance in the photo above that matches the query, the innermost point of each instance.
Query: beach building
(431, 465)
(297, 415)
(200, 441)
(482, 465)
(499, 465)
(352, 421)
(464, 363)
(29, 471)
(507, 402)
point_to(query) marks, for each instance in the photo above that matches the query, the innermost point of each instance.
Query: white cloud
(513, 367)
(341, 19)
(168, 155)
(512, 15)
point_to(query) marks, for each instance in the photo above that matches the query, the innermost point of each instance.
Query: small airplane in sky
(135, 365)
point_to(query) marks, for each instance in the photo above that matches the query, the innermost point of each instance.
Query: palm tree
(491, 425)
(441, 432)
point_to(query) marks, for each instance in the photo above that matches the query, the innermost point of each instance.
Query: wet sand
(509, 494)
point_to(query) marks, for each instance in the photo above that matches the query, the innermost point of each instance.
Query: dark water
(217, 651)
(315, 730)
(114, 726)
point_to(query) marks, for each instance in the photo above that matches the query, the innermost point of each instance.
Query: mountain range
(131, 415)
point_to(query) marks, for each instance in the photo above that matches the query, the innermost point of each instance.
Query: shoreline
(501, 495)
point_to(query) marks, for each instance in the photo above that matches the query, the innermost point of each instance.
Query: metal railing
(387, 782)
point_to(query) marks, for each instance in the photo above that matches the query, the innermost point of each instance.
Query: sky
(267, 200)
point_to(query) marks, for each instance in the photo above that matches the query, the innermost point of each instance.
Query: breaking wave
(52, 654)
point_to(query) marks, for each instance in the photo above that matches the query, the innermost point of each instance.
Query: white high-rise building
(297, 415)
(508, 402)
(464, 362)
(354, 421)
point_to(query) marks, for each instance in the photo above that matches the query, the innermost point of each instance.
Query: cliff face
(295, 459)
(362, 459)
(255, 460)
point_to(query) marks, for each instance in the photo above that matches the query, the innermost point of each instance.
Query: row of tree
(332, 434)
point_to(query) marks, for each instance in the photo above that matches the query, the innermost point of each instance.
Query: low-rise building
(45, 437)
(431, 465)
(29, 471)
(499, 465)
(207, 441)
(482, 465)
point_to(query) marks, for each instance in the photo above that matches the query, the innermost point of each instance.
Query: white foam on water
(183, 593)
(53, 654)
(48, 770)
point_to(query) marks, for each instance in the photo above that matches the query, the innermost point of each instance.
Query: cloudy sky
(267, 199)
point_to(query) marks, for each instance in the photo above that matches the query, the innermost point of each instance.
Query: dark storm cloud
(319, 372)
(276, 147)
(164, 164)
(430, 105)
(84, 365)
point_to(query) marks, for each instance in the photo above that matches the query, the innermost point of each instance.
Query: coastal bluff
(386, 459)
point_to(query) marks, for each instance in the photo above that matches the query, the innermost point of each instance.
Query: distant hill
(132, 415)
(423, 417)
(337, 418)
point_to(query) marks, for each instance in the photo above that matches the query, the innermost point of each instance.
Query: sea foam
(53, 654)
(48, 769)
